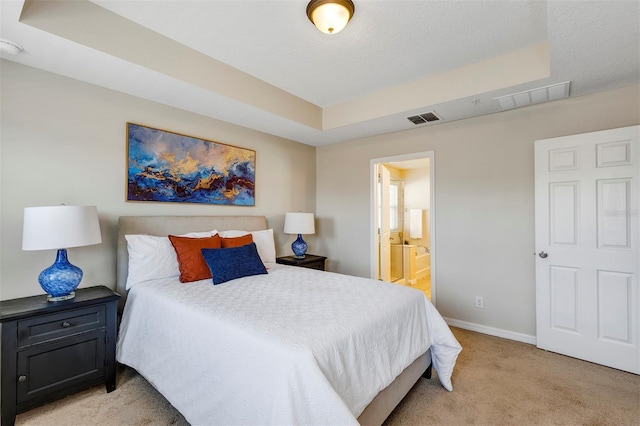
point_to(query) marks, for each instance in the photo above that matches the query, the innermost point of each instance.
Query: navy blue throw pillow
(227, 264)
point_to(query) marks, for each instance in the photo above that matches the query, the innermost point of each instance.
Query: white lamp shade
(299, 223)
(59, 227)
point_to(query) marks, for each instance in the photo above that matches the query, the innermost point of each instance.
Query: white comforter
(296, 346)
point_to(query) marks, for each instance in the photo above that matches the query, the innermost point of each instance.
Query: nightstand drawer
(43, 369)
(54, 326)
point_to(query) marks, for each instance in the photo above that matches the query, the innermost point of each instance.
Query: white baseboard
(506, 334)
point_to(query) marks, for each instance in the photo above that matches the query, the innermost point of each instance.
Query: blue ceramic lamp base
(61, 279)
(299, 247)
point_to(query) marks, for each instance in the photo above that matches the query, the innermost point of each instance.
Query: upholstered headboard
(164, 225)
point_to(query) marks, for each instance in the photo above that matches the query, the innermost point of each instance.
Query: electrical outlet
(479, 302)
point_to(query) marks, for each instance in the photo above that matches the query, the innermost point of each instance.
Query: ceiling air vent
(534, 96)
(426, 117)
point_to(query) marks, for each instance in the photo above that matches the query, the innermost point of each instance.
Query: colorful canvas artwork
(169, 167)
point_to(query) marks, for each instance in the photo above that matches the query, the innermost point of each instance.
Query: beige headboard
(164, 225)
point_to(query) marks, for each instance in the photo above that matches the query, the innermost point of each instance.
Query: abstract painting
(169, 167)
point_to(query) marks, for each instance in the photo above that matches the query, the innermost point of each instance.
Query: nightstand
(310, 261)
(49, 350)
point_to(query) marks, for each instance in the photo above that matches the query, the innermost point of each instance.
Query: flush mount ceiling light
(330, 16)
(9, 46)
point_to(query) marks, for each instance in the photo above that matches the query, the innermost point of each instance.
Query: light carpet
(496, 382)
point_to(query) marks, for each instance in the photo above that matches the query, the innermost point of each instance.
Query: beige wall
(64, 141)
(484, 230)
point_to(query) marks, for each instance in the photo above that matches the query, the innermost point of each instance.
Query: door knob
(22, 379)
(543, 254)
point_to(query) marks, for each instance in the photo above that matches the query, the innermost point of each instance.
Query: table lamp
(299, 223)
(60, 227)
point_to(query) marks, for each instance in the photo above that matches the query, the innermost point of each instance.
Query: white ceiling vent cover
(534, 96)
(425, 117)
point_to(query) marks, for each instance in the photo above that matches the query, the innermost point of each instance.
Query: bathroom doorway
(402, 249)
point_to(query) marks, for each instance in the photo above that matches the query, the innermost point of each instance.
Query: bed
(292, 346)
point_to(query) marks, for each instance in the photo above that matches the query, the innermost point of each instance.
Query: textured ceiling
(284, 77)
(386, 43)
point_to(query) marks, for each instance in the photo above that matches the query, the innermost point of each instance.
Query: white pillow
(153, 257)
(263, 239)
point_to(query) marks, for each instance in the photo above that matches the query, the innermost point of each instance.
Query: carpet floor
(496, 382)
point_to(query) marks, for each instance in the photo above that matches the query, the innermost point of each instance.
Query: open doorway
(402, 213)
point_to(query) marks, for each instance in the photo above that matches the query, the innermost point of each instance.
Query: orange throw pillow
(190, 261)
(236, 241)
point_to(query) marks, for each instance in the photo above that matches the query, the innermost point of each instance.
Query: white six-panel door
(587, 214)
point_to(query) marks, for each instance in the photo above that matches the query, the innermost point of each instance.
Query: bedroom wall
(63, 141)
(484, 214)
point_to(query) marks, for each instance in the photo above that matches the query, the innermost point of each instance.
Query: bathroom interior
(409, 253)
